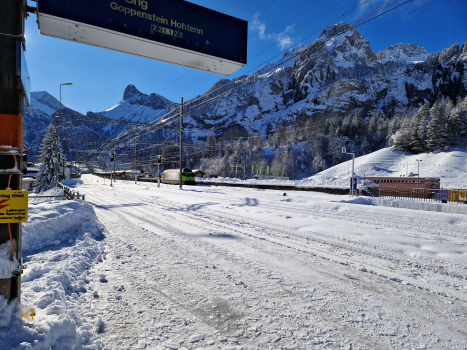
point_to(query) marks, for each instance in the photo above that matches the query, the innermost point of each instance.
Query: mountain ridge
(335, 75)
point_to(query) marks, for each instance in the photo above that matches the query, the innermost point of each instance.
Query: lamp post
(63, 128)
(57, 148)
(407, 168)
(418, 172)
(352, 192)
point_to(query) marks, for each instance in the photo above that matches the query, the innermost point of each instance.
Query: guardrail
(69, 193)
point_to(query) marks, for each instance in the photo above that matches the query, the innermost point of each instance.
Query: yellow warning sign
(13, 206)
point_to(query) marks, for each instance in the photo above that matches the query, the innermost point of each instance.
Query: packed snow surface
(137, 266)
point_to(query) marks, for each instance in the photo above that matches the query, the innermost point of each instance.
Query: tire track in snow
(134, 213)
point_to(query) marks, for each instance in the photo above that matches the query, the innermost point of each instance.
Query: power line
(360, 21)
(257, 14)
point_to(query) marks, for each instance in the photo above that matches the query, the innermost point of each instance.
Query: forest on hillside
(302, 149)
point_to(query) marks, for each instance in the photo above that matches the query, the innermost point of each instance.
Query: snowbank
(7, 265)
(61, 244)
(234, 180)
(414, 205)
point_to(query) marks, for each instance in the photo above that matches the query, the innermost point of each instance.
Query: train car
(172, 176)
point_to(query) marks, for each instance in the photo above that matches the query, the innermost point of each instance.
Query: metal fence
(458, 196)
(69, 193)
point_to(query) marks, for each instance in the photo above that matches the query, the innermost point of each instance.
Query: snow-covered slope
(402, 53)
(450, 167)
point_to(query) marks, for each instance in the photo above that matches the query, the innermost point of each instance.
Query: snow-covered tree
(437, 134)
(240, 153)
(319, 163)
(422, 119)
(335, 150)
(403, 138)
(284, 159)
(49, 150)
(457, 126)
(211, 146)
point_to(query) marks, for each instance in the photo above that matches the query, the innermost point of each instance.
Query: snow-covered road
(228, 268)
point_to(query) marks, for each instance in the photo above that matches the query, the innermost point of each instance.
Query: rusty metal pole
(181, 143)
(12, 21)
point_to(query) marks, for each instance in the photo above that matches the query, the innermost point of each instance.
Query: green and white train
(172, 176)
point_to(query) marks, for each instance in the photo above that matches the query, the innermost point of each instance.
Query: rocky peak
(337, 29)
(130, 91)
(347, 45)
(402, 52)
(135, 97)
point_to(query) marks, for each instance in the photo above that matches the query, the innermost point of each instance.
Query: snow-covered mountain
(336, 74)
(333, 76)
(38, 117)
(137, 106)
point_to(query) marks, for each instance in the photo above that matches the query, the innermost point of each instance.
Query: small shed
(199, 173)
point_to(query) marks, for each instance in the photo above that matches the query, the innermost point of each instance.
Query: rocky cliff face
(335, 75)
(135, 97)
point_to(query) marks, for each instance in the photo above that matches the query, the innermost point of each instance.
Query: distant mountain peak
(136, 97)
(347, 45)
(130, 91)
(337, 29)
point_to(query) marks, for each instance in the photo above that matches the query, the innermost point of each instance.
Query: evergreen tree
(372, 128)
(356, 124)
(335, 150)
(437, 134)
(288, 159)
(403, 138)
(211, 146)
(457, 126)
(240, 153)
(49, 150)
(319, 164)
(225, 166)
(422, 119)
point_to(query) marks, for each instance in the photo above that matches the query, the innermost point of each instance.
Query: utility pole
(115, 160)
(112, 158)
(12, 45)
(136, 149)
(64, 128)
(418, 172)
(159, 161)
(344, 151)
(181, 142)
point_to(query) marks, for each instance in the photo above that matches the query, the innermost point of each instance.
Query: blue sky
(100, 76)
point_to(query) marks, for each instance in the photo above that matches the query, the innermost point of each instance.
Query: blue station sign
(173, 31)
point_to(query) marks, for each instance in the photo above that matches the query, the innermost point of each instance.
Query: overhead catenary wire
(355, 24)
(360, 21)
(204, 102)
(257, 14)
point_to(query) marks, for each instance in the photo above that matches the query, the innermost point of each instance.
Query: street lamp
(418, 172)
(407, 168)
(64, 164)
(352, 179)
